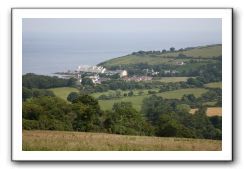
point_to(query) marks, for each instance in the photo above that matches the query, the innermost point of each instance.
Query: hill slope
(85, 141)
(153, 58)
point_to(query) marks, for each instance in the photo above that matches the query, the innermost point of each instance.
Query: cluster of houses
(151, 72)
(170, 72)
(94, 71)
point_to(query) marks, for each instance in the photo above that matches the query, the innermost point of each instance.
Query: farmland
(167, 58)
(214, 111)
(141, 102)
(63, 92)
(137, 100)
(172, 79)
(87, 141)
(214, 85)
(211, 111)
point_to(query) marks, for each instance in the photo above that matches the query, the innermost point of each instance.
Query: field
(81, 141)
(63, 92)
(214, 111)
(214, 85)
(167, 58)
(135, 92)
(137, 100)
(211, 111)
(173, 79)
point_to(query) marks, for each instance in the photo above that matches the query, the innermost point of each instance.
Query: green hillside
(205, 53)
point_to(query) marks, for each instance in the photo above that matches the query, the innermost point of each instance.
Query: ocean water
(47, 63)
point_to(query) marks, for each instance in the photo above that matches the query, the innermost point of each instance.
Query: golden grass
(214, 111)
(85, 141)
(193, 111)
(211, 111)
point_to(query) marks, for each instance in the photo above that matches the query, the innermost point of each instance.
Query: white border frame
(19, 155)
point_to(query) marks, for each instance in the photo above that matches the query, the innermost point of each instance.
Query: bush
(30, 124)
(72, 96)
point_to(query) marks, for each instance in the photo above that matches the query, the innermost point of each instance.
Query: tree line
(31, 80)
(159, 117)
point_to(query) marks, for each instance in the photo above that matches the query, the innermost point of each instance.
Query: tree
(26, 93)
(118, 93)
(164, 51)
(130, 93)
(195, 82)
(141, 93)
(172, 49)
(86, 82)
(72, 96)
(216, 121)
(51, 113)
(153, 107)
(71, 82)
(31, 80)
(124, 119)
(203, 126)
(87, 112)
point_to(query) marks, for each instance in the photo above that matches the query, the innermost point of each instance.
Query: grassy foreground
(85, 141)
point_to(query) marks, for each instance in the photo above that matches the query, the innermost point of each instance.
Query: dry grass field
(85, 141)
(211, 111)
(214, 111)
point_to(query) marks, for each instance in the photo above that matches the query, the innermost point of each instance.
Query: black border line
(125, 161)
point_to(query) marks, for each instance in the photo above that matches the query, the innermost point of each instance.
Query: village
(98, 74)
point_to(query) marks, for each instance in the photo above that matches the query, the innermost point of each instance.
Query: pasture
(63, 92)
(173, 79)
(86, 141)
(211, 111)
(214, 85)
(214, 111)
(137, 100)
(166, 58)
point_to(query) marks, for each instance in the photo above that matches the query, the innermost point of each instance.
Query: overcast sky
(130, 33)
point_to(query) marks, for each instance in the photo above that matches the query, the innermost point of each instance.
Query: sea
(48, 63)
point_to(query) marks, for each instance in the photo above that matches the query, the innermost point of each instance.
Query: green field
(166, 58)
(214, 85)
(63, 92)
(172, 79)
(86, 141)
(113, 92)
(137, 100)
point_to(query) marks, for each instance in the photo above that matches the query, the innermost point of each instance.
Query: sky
(90, 41)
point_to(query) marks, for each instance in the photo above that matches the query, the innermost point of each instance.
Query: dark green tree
(86, 82)
(72, 96)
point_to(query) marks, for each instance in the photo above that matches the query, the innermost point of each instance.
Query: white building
(123, 73)
(92, 69)
(95, 79)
